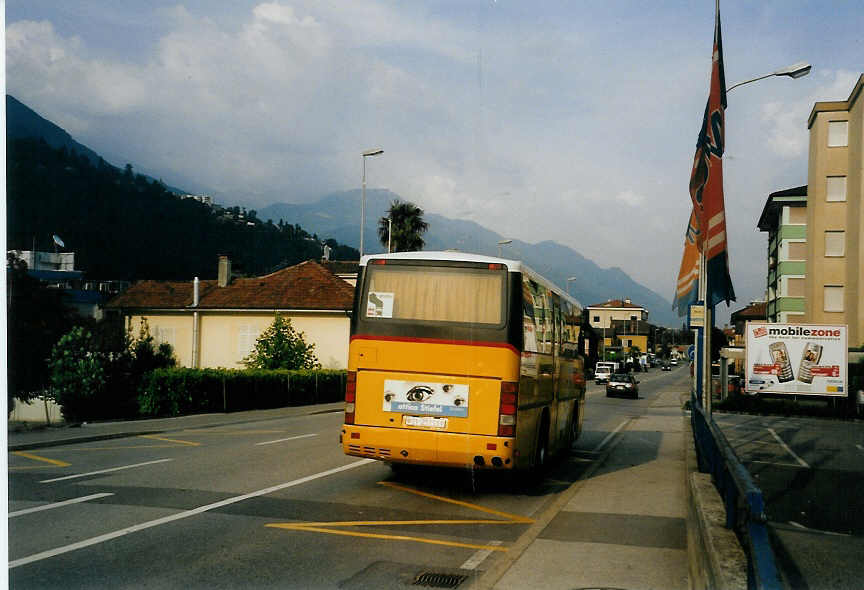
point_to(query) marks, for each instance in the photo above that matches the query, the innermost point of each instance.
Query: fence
(745, 507)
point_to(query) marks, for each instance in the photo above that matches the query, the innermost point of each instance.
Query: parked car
(601, 374)
(622, 384)
(666, 367)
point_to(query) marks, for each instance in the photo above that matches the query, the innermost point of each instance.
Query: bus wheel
(574, 427)
(541, 454)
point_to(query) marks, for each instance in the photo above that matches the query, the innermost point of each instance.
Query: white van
(602, 371)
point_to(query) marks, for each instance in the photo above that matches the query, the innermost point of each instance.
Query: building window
(596, 319)
(835, 189)
(833, 298)
(795, 287)
(838, 133)
(797, 215)
(165, 336)
(632, 317)
(835, 243)
(246, 338)
(797, 251)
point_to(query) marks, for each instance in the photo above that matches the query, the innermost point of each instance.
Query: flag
(687, 289)
(706, 183)
(58, 241)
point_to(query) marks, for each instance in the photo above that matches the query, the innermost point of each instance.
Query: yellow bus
(461, 360)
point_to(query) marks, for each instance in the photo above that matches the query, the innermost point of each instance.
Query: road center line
(478, 557)
(180, 515)
(801, 461)
(58, 504)
(609, 436)
(271, 442)
(78, 475)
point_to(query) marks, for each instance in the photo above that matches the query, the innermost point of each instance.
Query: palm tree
(408, 227)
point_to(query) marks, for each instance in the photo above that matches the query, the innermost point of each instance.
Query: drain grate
(439, 580)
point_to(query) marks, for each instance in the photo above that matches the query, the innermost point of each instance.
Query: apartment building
(834, 283)
(784, 218)
(621, 323)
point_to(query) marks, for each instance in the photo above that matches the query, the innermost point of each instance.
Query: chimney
(195, 288)
(224, 272)
(625, 301)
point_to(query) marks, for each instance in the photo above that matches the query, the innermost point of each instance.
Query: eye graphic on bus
(388, 397)
(419, 393)
(458, 401)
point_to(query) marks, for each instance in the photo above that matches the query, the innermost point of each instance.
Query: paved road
(270, 504)
(812, 474)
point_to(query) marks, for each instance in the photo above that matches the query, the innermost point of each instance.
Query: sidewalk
(53, 436)
(624, 525)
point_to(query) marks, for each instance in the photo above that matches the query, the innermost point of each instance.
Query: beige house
(621, 319)
(834, 284)
(216, 323)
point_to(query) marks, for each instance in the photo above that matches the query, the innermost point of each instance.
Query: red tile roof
(616, 303)
(307, 285)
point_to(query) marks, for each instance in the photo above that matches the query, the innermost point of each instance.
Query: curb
(174, 428)
(716, 558)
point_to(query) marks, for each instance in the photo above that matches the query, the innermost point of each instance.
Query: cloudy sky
(569, 120)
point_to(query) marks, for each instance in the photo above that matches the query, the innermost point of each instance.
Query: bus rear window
(435, 294)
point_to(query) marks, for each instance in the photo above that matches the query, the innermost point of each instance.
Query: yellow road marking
(38, 458)
(65, 449)
(507, 515)
(22, 468)
(181, 442)
(300, 527)
(232, 432)
(332, 528)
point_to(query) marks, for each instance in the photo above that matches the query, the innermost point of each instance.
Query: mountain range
(336, 216)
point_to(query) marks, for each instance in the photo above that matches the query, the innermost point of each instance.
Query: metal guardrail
(745, 507)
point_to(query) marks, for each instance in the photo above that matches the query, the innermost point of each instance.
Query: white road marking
(58, 504)
(795, 465)
(272, 442)
(76, 476)
(609, 437)
(801, 461)
(821, 532)
(478, 557)
(180, 515)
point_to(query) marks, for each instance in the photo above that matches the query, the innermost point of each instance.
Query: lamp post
(568, 283)
(389, 232)
(794, 71)
(501, 244)
(366, 154)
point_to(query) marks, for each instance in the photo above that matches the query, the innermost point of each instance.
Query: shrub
(282, 347)
(172, 392)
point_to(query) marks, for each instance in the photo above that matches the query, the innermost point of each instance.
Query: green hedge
(173, 392)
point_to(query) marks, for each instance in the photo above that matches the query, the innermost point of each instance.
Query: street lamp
(794, 71)
(568, 283)
(366, 154)
(501, 244)
(389, 232)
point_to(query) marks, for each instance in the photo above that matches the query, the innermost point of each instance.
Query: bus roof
(511, 265)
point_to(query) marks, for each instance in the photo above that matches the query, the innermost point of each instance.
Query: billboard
(804, 359)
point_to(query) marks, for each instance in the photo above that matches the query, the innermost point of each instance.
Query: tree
(282, 347)
(407, 230)
(77, 372)
(36, 317)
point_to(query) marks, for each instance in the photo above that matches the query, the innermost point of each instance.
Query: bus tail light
(507, 408)
(350, 396)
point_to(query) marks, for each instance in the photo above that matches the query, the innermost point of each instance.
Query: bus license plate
(424, 421)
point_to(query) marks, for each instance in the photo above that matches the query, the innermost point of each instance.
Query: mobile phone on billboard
(809, 358)
(780, 356)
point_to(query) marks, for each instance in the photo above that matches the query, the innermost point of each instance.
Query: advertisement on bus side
(802, 359)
